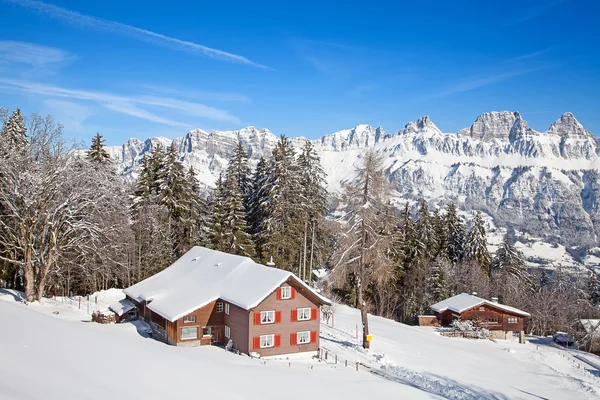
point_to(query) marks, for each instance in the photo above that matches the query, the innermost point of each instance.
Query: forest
(69, 224)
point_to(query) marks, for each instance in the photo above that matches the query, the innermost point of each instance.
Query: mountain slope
(546, 183)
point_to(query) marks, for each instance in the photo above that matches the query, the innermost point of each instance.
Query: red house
(209, 297)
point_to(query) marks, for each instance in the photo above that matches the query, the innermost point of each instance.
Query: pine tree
(508, 262)
(455, 234)
(280, 231)
(97, 153)
(239, 168)
(217, 221)
(593, 289)
(237, 240)
(314, 207)
(437, 285)
(409, 233)
(476, 245)
(14, 133)
(425, 235)
(195, 223)
(440, 242)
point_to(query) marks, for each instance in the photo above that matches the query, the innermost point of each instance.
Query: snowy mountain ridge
(546, 184)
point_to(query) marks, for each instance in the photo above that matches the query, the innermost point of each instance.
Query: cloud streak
(32, 54)
(135, 106)
(75, 18)
(477, 82)
(534, 12)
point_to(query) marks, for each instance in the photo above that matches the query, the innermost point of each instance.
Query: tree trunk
(312, 250)
(29, 283)
(304, 255)
(362, 306)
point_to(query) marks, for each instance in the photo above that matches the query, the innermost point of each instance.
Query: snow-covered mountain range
(546, 184)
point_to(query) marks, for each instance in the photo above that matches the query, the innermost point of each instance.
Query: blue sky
(148, 68)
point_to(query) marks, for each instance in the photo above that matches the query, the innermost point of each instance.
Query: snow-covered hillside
(546, 184)
(50, 351)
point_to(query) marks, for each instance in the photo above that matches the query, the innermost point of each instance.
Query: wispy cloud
(528, 56)
(75, 18)
(533, 12)
(32, 54)
(476, 82)
(128, 105)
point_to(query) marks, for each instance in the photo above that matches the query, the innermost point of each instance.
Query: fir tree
(239, 168)
(237, 240)
(217, 221)
(425, 234)
(280, 229)
(440, 242)
(14, 133)
(195, 224)
(476, 245)
(593, 289)
(437, 284)
(97, 153)
(409, 233)
(257, 205)
(508, 262)
(314, 195)
(455, 234)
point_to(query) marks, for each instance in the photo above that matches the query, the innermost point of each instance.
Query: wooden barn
(501, 320)
(209, 297)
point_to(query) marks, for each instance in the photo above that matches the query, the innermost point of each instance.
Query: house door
(217, 334)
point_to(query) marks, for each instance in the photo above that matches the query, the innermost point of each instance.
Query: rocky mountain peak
(567, 124)
(495, 125)
(423, 124)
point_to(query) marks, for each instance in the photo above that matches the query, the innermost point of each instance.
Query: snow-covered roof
(464, 301)
(591, 326)
(203, 275)
(121, 307)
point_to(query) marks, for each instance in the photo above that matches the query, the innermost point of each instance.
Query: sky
(153, 68)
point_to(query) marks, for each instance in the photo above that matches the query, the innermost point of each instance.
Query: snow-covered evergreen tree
(425, 234)
(440, 242)
(237, 240)
(476, 244)
(280, 230)
(455, 234)
(438, 288)
(508, 262)
(314, 195)
(593, 289)
(217, 220)
(14, 133)
(239, 168)
(97, 152)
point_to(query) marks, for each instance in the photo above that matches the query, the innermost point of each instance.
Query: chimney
(270, 263)
(494, 299)
(474, 293)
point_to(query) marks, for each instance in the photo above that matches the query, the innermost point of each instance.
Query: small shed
(588, 334)
(124, 309)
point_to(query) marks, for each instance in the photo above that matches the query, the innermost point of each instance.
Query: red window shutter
(279, 294)
(294, 315)
(277, 340)
(257, 318)
(293, 338)
(277, 317)
(314, 313)
(293, 293)
(257, 342)
(313, 336)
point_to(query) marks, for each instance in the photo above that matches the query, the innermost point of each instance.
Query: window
(219, 307)
(227, 308)
(303, 337)
(189, 319)
(206, 331)
(267, 317)
(227, 331)
(481, 308)
(189, 333)
(304, 314)
(267, 341)
(286, 293)
(513, 320)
